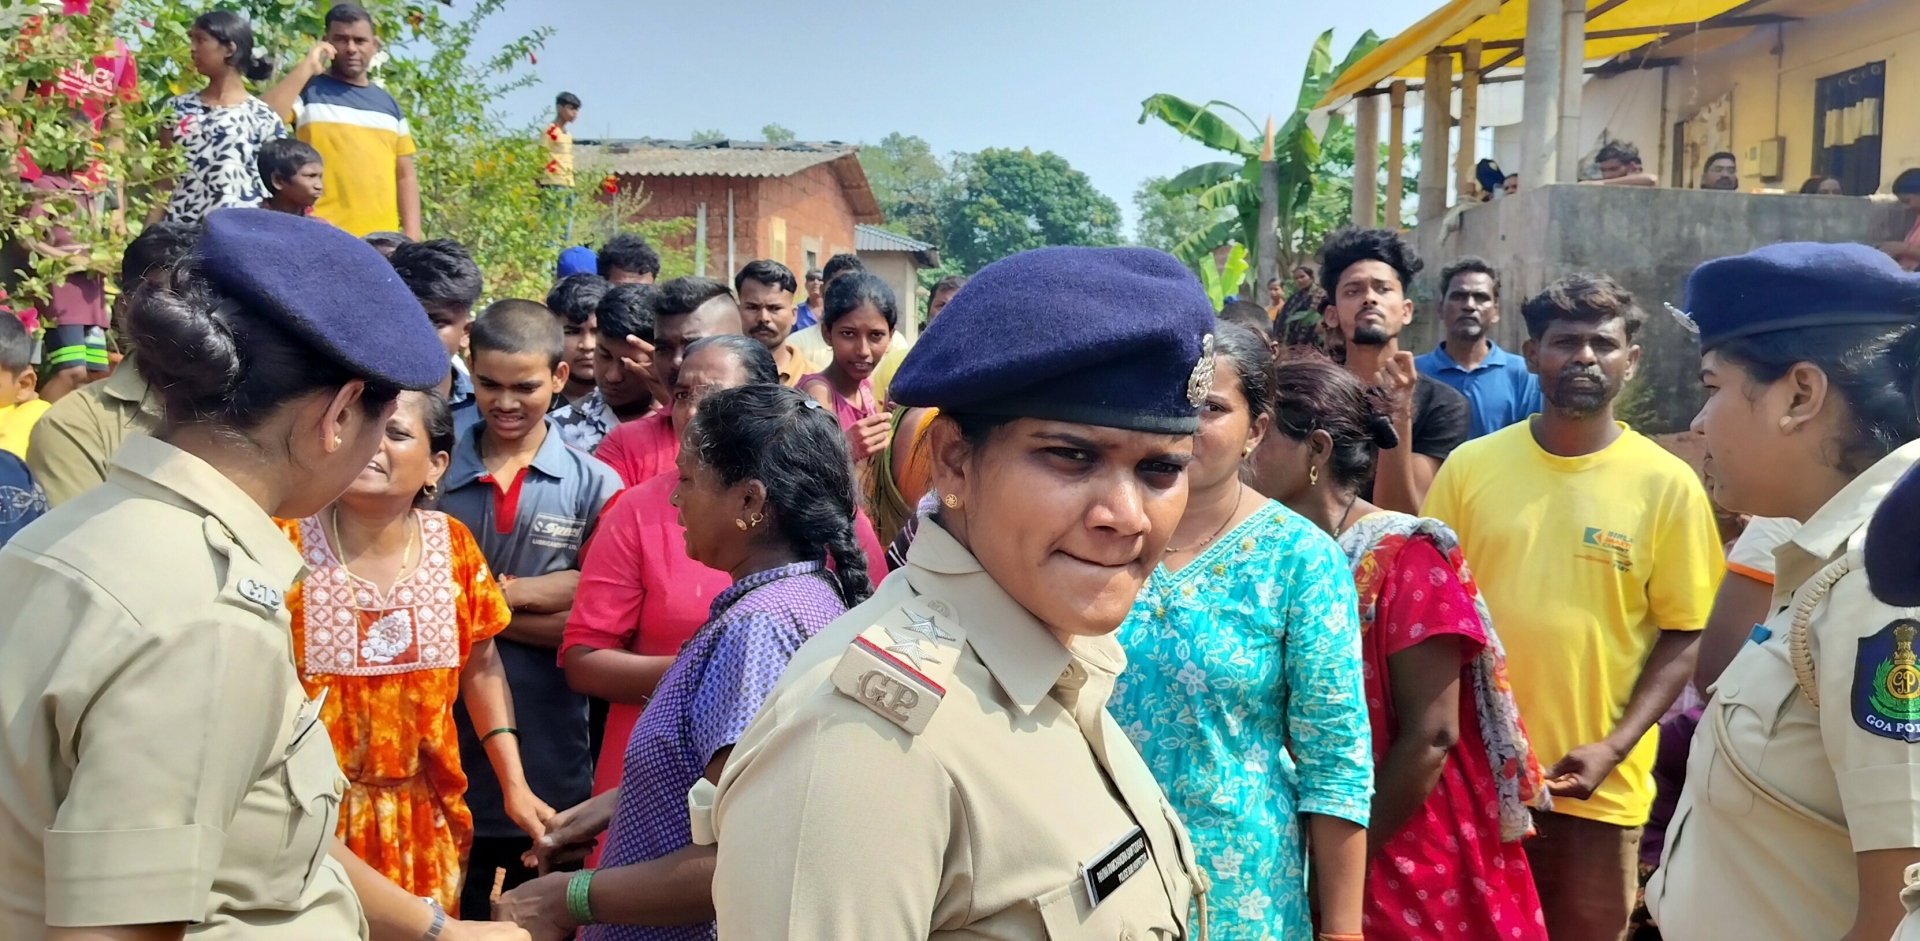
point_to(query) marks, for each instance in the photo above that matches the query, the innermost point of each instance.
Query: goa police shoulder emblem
(1886, 683)
(1200, 381)
(899, 667)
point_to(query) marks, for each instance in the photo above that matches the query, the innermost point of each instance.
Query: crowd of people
(352, 602)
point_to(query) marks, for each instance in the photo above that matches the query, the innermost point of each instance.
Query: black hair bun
(258, 68)
(187, 347)
(1380, 428)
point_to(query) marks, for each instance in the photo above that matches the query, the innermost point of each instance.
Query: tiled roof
(648, 156)
(872, 238)
(653, 157)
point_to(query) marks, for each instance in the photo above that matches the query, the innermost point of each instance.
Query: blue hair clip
(813, 403)
(1686, 320)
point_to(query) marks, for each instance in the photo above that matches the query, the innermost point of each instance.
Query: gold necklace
(1216, 533)
(340, 548)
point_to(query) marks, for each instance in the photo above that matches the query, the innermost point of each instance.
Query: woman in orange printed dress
(393, 622)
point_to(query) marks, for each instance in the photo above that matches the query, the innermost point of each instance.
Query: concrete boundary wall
(1647, 239)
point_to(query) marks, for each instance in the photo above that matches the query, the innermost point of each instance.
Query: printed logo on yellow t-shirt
(1616, 549)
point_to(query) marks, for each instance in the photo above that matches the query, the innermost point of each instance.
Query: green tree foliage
(711, 134)
(1005, 201)
(909, 182)
(1164, 218)
(1234, 184)
(776, 134)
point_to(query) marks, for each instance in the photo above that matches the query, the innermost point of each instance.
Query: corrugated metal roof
(653, 157)
(872, 238)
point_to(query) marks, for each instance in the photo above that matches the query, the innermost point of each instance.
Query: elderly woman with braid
(765, 494)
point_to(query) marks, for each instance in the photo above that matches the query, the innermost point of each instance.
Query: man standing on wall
(1722, 172)
(370, 183)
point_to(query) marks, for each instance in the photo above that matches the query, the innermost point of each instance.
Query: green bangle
(510, 730)
(578, 907)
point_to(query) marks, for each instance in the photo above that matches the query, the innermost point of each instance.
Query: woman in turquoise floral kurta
(1243, 688)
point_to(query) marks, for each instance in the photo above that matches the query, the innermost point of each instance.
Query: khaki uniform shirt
(1782, 793)
(74, 442)
(835, 821)
(159, 761)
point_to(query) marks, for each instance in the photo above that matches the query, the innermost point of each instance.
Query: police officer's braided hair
(795, 448)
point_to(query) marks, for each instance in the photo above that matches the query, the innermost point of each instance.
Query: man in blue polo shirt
(1496, 383)
(530, 501)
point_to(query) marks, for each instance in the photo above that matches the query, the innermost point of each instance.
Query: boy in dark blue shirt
(530, 501)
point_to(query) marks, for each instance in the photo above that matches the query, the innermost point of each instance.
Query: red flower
(609, 186)
(533, 58)
(76, 7)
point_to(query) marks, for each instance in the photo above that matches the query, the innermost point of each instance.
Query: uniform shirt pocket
(1748, 704)
(314, 787)
(1137, 911)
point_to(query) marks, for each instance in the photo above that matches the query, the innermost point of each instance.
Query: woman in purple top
(766, 495)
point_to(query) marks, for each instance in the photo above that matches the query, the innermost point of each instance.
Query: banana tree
(1221, 281)
(1235, 184)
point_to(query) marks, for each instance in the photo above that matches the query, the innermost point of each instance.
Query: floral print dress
(1243, 692)
(221, 150)
(390, 669)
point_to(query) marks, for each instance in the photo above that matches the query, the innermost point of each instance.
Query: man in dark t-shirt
(1366, 273)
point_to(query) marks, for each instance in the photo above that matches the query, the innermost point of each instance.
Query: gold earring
(336, 441)
(1246, 451)
(950, 501)
(1786, 420)
(740, 523)
(756, 519)
(1313, 476)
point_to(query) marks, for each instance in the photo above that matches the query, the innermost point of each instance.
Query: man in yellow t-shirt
(1598, 556)
(370, 181)
(559, 169)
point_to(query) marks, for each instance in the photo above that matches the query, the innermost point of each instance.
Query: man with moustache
(1366, 273)
(765, 291)
(1598, 557)
(1496, 383)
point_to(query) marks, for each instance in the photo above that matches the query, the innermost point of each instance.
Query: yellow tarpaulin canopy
(1502, 26)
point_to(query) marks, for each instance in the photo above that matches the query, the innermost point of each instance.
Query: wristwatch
(439, 920)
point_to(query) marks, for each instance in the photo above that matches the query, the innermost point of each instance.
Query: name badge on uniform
(1106, 872)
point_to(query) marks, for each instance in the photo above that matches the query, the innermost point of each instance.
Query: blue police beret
(326, 287)
(1893, 544)
(577, 260)
(1116, 337)
(1796, 285)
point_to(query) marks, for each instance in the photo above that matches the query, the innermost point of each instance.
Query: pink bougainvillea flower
(76, 7)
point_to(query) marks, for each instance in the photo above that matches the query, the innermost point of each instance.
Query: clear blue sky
(1060, 75)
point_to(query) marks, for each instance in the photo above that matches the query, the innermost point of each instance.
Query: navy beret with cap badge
(1796, 285)
(1115, 337)
(327, 288)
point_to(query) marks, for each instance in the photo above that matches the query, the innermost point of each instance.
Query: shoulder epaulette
(899, 667)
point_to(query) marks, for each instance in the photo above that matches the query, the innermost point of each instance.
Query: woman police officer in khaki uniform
(1802, 803)
(939, 762)
(162, 773)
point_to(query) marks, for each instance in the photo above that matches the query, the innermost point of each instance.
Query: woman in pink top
(857, 320)
(1906, 188)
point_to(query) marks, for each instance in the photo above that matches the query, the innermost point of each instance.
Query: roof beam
(1667, 30)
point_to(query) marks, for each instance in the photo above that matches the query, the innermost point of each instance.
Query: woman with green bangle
(766, 494)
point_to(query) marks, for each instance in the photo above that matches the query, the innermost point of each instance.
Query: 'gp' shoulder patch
(1886, 683)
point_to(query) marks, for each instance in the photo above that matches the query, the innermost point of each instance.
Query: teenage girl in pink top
(857, 320)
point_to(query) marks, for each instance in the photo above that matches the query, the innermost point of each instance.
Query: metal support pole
(1366, 161)
(1469, 121)
(1573, 69)
(1396, 151)
(1540, 111)
(700, 240)
(1436, 113)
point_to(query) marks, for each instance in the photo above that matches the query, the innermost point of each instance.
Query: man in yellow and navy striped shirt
(358, 129)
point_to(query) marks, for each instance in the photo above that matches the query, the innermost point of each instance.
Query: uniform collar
(127, 385)
(195, 482)
(1829, 528)
(551, 460)
(1023, 656)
